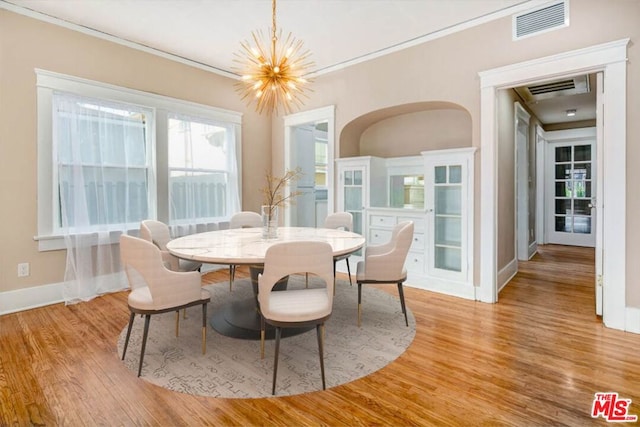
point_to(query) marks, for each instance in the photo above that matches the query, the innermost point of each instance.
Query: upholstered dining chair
(158, 233)
(244, 219)
(155, 289)
(344, 221)
(296, 308)
(385, 263)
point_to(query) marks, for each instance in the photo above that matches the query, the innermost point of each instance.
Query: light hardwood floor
(535, 358)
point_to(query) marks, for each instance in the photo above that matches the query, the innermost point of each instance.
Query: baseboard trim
(28, 298)
(533, 249)
(507, 273)
(632, 320)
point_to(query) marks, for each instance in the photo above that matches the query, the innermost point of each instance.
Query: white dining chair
(156, 289)
(296, 308)
(385, 263)
(158, 233)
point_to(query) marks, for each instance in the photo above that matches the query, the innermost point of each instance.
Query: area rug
(232, 367)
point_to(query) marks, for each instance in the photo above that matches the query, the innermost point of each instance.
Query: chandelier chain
(273, 19)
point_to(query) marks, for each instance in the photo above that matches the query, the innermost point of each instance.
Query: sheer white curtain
(203, 173)
(103, 174)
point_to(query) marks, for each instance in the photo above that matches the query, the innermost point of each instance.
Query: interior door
(304, 209)
(310, 153)
(571, 181)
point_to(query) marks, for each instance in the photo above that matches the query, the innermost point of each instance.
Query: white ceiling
(207, 33)
(210, 31)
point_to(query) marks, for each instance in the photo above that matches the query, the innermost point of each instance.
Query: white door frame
(610, 58)
(312, 116)
(541, 145)
(521, 172)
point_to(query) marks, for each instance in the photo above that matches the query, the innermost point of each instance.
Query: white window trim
(47, 82)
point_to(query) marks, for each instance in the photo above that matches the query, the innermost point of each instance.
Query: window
(201, 169)
(102, 157)
(131, 155)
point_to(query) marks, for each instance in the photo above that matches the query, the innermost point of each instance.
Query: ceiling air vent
(540, 20)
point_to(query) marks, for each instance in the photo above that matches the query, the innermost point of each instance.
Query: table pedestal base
(240, 319)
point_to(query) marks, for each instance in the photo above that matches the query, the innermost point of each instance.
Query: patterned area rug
(232, 367)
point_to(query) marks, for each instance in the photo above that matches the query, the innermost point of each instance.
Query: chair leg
(262, 333)
(334, 277)
(126, 341)
(275, 361)
(147, 318)
(359, 301)
(349, 271)
(404, 308)
(204, 328)
(320, 333)
(177, 323)
(232, 275)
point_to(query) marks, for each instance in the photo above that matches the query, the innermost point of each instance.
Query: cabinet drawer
(418, 222)
(415, 262)
(418, 241)
(378, 236)
(382, 221)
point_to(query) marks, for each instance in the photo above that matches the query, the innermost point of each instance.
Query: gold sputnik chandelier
(272, 73)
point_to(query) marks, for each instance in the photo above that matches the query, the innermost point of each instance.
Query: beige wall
(447, 70)
(409, 134)
(26, 44)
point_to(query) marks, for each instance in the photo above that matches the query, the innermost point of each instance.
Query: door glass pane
(582, 153)
(448, 200)
(581, 189)
(353, 198)
(562, 224)
(448, 231)
(440, 174)
(563, 171)
(455, 174)
(582, 171)
(348, 177)
(563, 154)
(581, 207)
(357, 177)
(582, 225)
(448, 259)
(563, 189)
(563, 206)
(357, 222)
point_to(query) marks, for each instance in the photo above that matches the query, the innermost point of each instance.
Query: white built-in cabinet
(435, 191)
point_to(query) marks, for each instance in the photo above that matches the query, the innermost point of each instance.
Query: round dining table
(245, 246)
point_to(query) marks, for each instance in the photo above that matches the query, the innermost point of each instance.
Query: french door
(571, 174)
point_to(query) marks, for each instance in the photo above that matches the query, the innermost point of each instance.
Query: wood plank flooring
(535, 358)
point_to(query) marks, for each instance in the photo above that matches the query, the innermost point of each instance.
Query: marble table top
(246, 245)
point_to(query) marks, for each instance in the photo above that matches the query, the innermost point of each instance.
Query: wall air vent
(540, 20)
(564, 87)
(552, 87)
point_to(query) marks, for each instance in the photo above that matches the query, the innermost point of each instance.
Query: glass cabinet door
(447, 197)
(354, 196)
(447, 213)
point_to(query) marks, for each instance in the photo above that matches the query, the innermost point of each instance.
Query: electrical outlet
(23, 269)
